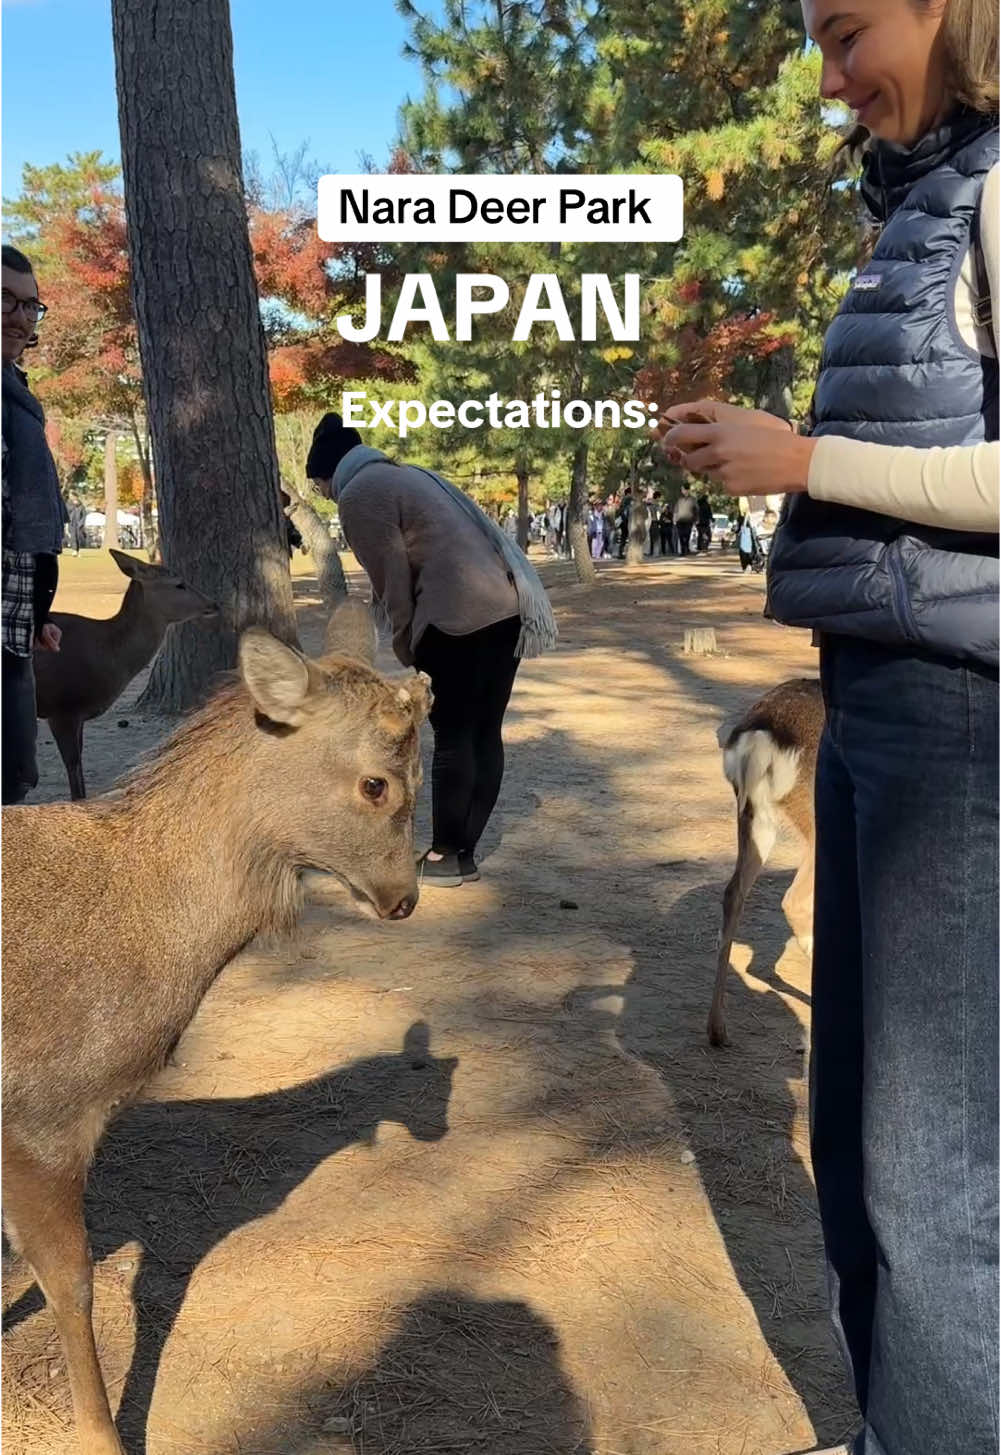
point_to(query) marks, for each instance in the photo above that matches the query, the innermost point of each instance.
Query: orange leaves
(290, 260)
(715, 185)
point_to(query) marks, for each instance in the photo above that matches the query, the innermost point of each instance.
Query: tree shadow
(459, 1374)
(738, 1110)
(211, 1166)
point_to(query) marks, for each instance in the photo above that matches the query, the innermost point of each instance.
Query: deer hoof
(717, 1033)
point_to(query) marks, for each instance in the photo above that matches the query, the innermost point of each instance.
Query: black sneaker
(440, 873)
(467, 867)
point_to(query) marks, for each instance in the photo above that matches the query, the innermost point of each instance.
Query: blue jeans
(904, 1068)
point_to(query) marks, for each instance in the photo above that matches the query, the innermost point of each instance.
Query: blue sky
(329, 72)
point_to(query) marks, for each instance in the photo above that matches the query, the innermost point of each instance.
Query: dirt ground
(476, 1182)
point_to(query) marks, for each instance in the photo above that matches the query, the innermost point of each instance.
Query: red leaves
(289, 260)
(706, 359)
(89, 352)
(301, 374)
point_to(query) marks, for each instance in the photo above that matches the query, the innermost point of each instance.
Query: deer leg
(44, 1213)
(797, 904)
(754, 842)
(68, 734)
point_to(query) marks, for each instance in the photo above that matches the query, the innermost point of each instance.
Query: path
(507, 1256)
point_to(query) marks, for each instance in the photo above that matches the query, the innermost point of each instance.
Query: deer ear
(417, 1041)
(125, 563)
(276, 676)
(416, 693)
(351, 632)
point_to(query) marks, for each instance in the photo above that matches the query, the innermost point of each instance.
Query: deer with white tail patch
(770, 760)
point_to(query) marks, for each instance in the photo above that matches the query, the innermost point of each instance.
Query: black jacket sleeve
(46, 581)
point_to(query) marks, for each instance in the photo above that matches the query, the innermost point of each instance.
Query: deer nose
(405, 908)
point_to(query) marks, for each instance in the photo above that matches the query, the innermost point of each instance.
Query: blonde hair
(970, 38)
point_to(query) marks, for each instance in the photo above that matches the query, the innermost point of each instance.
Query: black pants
(471, 679)
(684, 537)
(20, 728)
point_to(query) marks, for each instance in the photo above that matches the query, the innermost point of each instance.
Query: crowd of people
(678, 528)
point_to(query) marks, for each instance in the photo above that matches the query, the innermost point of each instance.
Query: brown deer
(97, 659)
(770, 759)
(296, 765)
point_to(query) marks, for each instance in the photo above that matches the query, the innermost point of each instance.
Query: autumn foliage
(706, 359)
(71, 222)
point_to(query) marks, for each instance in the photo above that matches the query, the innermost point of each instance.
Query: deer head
(344, 749)
(165, 595)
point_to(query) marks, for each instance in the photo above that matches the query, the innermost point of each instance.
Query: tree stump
(700, 641)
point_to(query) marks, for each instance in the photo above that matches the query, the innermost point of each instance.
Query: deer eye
(374, 789)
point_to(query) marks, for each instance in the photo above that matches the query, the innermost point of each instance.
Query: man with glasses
(32, 537)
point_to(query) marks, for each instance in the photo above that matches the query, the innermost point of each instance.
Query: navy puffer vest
(895, 371)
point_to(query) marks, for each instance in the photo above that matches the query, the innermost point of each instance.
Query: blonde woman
(888, 549)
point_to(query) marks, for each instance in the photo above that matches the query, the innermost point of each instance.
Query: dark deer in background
(298, 765)
(97, 659)
(770, 759)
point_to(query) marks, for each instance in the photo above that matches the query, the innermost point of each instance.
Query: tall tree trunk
(200, 335)
(110, 489)
(577, 516)
(331, 581)
(522, 507)
(639, 521)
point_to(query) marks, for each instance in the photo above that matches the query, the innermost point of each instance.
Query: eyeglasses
(33, 309)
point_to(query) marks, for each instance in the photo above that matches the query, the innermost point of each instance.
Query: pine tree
(725, 93)
(515, 88)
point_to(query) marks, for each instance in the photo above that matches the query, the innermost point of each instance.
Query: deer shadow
(459, 1373)
(210, 1166)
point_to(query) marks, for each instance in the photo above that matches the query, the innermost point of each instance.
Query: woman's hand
(748, 451)
(714, 411)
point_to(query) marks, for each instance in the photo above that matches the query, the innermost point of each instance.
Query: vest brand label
(866, 282)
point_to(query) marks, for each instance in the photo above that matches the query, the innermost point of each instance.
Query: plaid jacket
(18, 609)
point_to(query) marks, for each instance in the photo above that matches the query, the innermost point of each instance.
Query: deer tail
(762, 773)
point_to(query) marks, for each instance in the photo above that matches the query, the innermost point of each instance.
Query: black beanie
(331, 441)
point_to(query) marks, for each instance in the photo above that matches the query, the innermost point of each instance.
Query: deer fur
(97, 659)
(119, 913)
(770, 760)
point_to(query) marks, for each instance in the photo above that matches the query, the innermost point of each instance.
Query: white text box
(403, 207)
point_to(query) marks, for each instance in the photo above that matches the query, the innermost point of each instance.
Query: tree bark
(110, 489)
(331, 581)
(200, 335)
(577, 516)
(775, 380)
(522, 507)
